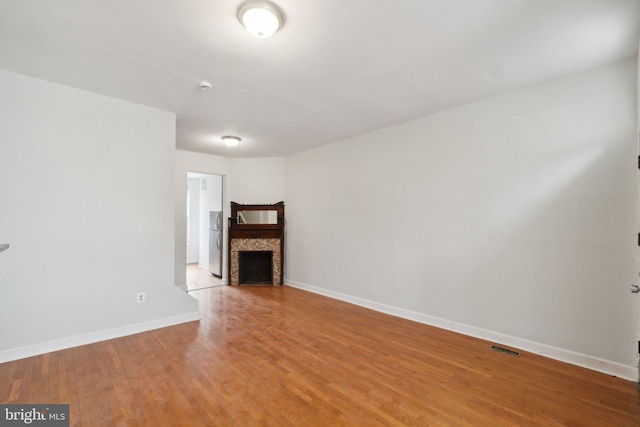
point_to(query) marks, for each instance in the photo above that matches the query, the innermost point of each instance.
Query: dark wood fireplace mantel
(256, 227)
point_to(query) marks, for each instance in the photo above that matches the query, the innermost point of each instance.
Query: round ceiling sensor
(204, 86)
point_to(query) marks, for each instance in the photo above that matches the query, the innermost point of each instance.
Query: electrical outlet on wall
(141, 297)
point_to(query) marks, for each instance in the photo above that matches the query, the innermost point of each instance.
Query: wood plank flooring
(279, 356)
(200, 278)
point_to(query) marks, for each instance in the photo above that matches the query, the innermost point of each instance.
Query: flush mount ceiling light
(261, 18)
(231, 141)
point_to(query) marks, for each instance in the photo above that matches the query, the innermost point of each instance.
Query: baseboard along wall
(90, 338)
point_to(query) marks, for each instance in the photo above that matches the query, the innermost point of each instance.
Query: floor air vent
(505, 350)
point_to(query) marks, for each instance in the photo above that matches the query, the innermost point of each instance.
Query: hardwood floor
(279, 356)
(200, 278)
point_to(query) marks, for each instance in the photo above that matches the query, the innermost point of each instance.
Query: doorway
(204, 249)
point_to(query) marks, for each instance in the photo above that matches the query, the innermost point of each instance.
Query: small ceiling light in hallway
(261, 18)
(231, 141)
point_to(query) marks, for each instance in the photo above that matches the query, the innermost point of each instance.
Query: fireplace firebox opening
(255, 268)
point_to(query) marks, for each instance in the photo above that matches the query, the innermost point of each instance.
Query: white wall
(193, 235)
(86, 208)
(245, 181)
(258, 180)
(511, 218)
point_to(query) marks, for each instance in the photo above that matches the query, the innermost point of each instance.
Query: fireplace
(239, 246)
(256, 244)
(255, 268)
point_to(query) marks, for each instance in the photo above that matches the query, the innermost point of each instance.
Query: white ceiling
(338, 68)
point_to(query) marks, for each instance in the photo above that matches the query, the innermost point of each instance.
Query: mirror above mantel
(257, 217)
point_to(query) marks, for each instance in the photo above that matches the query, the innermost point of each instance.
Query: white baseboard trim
(585, 361)
(83, 339)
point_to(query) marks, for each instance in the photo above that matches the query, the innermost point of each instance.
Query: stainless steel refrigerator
(215, 243)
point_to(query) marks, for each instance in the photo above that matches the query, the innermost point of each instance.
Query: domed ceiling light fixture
(205, 86)
(261, 18)
(231, 141)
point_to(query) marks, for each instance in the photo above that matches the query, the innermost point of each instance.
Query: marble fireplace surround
(255, 244)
